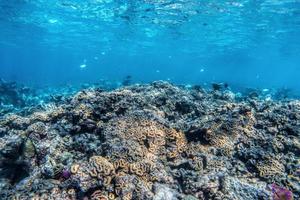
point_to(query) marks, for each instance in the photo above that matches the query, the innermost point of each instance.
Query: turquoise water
(246, 43)
(228, 128)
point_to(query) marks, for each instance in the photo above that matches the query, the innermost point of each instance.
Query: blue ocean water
(246, 43)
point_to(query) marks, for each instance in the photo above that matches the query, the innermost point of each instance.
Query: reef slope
(154, 141)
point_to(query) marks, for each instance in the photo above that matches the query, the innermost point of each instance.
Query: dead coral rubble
(152, 141)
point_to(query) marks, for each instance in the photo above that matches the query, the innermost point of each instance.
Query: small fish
(52, 21)
(82, 66)
(265, 90)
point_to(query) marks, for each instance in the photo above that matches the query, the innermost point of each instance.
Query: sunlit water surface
(247, 43)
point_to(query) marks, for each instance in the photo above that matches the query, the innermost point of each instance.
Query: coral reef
(12, 95)
(16, 98)
(156, 141)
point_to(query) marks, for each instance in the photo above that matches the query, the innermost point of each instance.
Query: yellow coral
(102, 165)
(74, 168)
(111, 196)
(172, 154)
(121, 164)
(127, 196)
(224, 143)
(270, 168)
(71, 192)
(107, 180)
(93, 172)
(97, 195)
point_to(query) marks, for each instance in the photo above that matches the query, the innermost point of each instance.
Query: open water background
(246, 43)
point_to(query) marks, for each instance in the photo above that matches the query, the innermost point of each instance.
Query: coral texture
(156, 141)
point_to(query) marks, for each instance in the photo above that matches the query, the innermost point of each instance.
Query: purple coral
(66, 174)
(280, 193)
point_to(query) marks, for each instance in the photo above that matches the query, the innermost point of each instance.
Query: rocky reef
(12, 96)
(24, 100)
(156, 141)
(16, 98)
